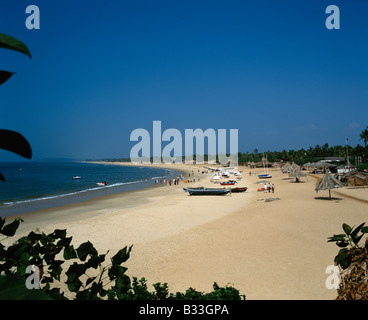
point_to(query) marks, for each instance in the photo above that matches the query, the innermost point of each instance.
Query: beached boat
(208, 191)
(238, 189)
(264, 176)
(186, 188)
(228, 183)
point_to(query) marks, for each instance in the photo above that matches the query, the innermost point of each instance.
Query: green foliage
(13, 288)
(312, 154)
(8, 42)
(347, 241)
(364, 136)
(11, 140)
(87, 275)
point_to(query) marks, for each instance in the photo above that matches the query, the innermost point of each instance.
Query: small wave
(9, 204)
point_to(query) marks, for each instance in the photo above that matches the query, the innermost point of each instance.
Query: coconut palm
(364, 136)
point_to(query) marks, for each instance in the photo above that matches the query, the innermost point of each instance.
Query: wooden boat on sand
(228, 183)
(208, 191)
(238, 189)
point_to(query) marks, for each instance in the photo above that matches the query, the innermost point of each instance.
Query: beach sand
(267, 249)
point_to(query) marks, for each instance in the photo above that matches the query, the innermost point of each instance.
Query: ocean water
(32, 186)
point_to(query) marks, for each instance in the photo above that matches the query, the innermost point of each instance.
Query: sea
(36, 185)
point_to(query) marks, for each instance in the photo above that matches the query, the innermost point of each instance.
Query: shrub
(87, 277)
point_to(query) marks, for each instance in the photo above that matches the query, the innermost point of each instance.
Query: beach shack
(355, 178)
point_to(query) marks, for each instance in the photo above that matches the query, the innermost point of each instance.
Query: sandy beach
(267, 249)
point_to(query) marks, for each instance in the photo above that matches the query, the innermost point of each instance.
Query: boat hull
(239, 189)
(208, 192)
(264, 176)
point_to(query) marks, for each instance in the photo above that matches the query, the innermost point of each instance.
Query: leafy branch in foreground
(347, 241)
(11, 140)
(87, 276)
(352, 260)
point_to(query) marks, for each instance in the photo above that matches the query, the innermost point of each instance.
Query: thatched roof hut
(262, 164)
(329, 182)
(355, 178)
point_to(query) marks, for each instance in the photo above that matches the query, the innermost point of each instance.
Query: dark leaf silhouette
(15, 142)
(8, 42)
(4, 76)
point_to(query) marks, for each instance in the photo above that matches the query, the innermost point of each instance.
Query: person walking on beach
(269, 187)
(265, 187)
(273, 188)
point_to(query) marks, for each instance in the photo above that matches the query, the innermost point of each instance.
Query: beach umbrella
(324, 165)
(297, 174)
(329, 182)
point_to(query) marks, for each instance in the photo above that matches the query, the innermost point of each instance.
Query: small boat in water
(102, 183)
(208, 191)
(76, 177)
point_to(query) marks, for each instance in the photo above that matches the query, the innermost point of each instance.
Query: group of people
(268, 187)
(174, 181)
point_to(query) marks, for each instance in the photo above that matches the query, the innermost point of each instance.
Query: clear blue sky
(101, 69)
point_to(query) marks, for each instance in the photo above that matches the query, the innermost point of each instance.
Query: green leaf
(2, 222)
(89, 280)
(8, 42)
(342, 244)
(356, 239)
(356, 230)
(73, 274)
(65, 242)
(85, 249)
(121, 256)
(338, 237)
(15, 142)
(13, 288)
(95, 260)
(59, 234)
(10, 229)
(69, 253)
(364, 230)
(343, 258)
(347, 228)
(5, 76)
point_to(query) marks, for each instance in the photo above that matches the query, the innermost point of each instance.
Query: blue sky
(99, 70)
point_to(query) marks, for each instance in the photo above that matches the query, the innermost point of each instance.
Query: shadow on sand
(327, 198)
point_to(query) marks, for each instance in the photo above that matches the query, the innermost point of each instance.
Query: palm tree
(364, 136)
(11, 140)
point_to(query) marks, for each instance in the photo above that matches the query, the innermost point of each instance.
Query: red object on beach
(227, 183)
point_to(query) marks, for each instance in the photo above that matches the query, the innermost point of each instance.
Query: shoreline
(268, 250)
(77, 197)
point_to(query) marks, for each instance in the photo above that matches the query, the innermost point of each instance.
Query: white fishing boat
(266, 175)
